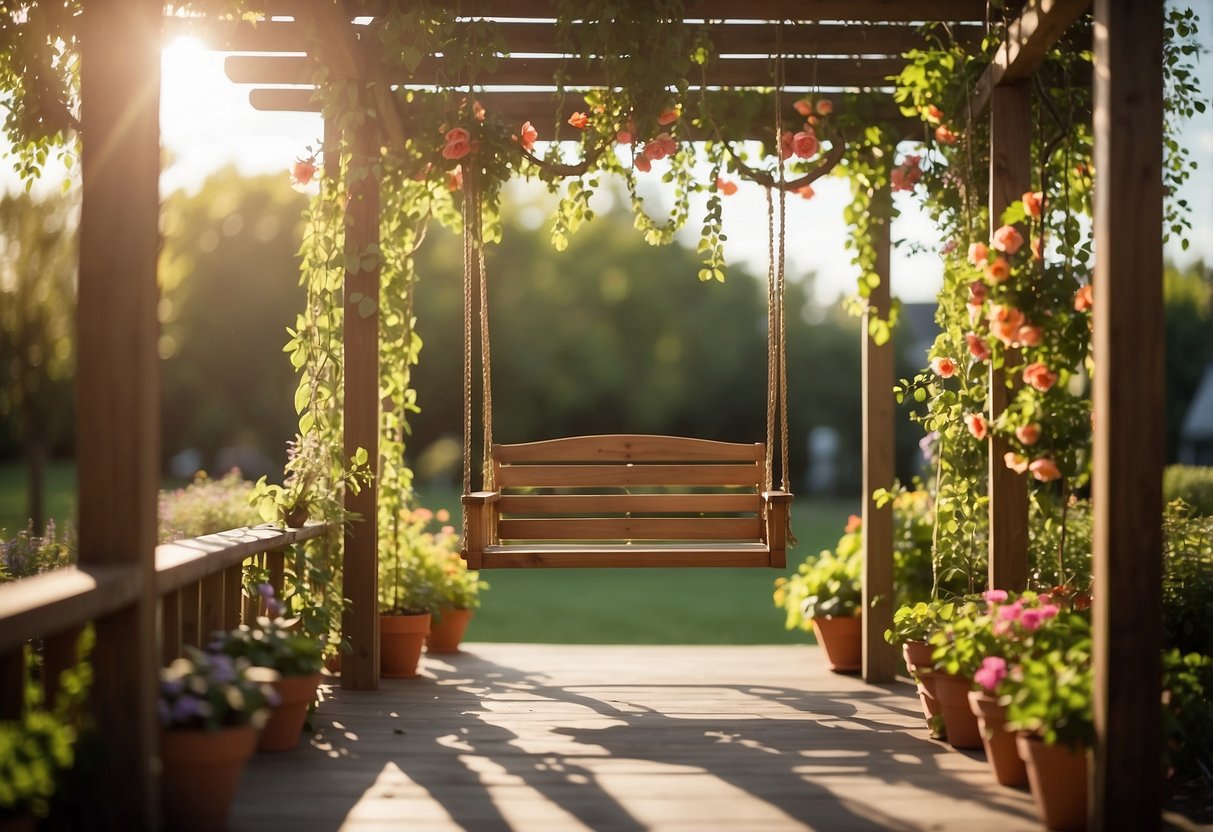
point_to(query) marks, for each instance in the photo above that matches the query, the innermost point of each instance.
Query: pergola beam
(1028, 40)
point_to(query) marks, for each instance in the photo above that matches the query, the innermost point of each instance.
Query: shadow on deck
(625, 738)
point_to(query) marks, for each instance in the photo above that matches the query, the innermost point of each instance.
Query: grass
(583, 606)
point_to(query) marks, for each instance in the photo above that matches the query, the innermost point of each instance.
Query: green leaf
(411, 57)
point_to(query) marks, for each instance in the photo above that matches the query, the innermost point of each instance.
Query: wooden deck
(544, 737)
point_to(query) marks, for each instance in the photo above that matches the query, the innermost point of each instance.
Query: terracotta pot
(841, 637)
(400, 641)
(958, 719)
(1058, 776)
(1001, 752)
(446, 632)
(201, 772)
(917, 655)
(282, 731)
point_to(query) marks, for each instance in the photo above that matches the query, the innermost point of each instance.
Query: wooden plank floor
(686, 739)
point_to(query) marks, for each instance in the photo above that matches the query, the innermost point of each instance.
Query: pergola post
(1128, 454)
(1010, 177)
(879, 657)
(360, 622)
(117, 382)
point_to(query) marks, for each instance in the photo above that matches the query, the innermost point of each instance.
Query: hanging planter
(400, 640)
(999, 743)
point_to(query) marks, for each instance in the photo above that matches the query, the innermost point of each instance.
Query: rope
(467, 348)
(486, 372)
(772, 377)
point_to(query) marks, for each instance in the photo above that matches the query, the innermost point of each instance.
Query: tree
(37, 313)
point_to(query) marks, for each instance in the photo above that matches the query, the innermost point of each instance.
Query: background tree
(37, 314)
(1188, 295)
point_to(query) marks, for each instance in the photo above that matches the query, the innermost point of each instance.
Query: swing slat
(699, 505)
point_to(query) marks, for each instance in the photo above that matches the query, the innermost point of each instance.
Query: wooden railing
(197, 582)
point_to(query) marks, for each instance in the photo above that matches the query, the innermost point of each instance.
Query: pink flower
(995, 596)
(477, 111)
(977, 292)
(1028, 434)
(803, 107)
(992, 671)
(948, 248)
(1008, 239)
(1049, 611)
(1084, 298)
(944, 367)
(1016, 462)
(302, 171)
(977, 425)
(458, 144)
(945, 136)
(669, 116)
(1038, 376)
(1033, 201)
(1031, 620)
(854, 524)
(978, 348)
(824, 107)
(660, 147)
(805, 144)
(726, 187)
(642, 163)
(624, 137)
(579, 120)
(1044, 469)
(1011, 612)
(978, 252)
(527, 135)
(454, 179)
(785, 144)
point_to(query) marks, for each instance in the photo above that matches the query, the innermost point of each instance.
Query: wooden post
(276, 566)
(360, 622)
(1010, 177)
(117, 382)
(879, 657)
(1128, 454)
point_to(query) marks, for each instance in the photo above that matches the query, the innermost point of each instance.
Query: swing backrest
(627, 500)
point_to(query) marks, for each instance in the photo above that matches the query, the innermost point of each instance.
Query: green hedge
(1191, 483)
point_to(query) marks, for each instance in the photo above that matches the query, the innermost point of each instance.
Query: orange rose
(1016, 462)
(1038, 376)
(805, 144)
(1044, 469)
(803, 107)
(977, 425)
(458, 144)
(944, 367)
(1084, 298)
(528, 135)
(1008, 239)
(806, 192)
(854, 524)
(1029, 336)
(1033, 201)
(934, 114)
(978, 253)
(669, 116)
(1038, 252)
(999, 270)
(579, 120)
(824, 107)
(1028, 434)
(642, 163)
(978, 348)
(944, 136)
(1005, 323)
(726, 187)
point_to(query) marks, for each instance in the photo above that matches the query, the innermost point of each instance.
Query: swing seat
(627, 500)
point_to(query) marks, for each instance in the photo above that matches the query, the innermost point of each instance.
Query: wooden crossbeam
(539, 71)
(1029, 38)
(536, 37)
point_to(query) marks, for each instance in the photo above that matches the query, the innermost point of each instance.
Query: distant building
(1196, 434)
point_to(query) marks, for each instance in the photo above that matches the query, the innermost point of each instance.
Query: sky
(207, 123)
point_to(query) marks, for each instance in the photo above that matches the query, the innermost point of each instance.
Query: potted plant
(913, 626)
(825, 595)
(1048, 696)
(410, 584)
(958, 649)
(308, 468)
(459, 592)
(278, 644)
(211, 707)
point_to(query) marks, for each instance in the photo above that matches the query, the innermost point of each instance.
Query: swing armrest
(777, 527)
(481, 525)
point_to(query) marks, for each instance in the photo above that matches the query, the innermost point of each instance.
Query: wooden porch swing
(625, 500)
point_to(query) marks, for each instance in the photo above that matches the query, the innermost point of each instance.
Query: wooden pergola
(120, 583)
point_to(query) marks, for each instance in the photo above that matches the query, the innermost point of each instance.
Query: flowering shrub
(276, 643)
(412, 576)
(1187, 583)
(209, 691)
(999, 626)
(30, 554)
(1049, 690)
(206, 506)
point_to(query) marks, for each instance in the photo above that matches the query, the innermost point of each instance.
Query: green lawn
(585, 606)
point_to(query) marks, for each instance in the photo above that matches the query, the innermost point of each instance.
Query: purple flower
(274, 607)
(992, 671)
(186, 708)
(162, 710)
(927, 445)
(222, 668)
(266, 591)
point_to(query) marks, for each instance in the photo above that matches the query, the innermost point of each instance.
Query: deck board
(570, 737)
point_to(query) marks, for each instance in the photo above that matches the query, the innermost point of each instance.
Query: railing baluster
(275, 562)
(210, 617)
(233, 603)
(191, 614)
(170, 626)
